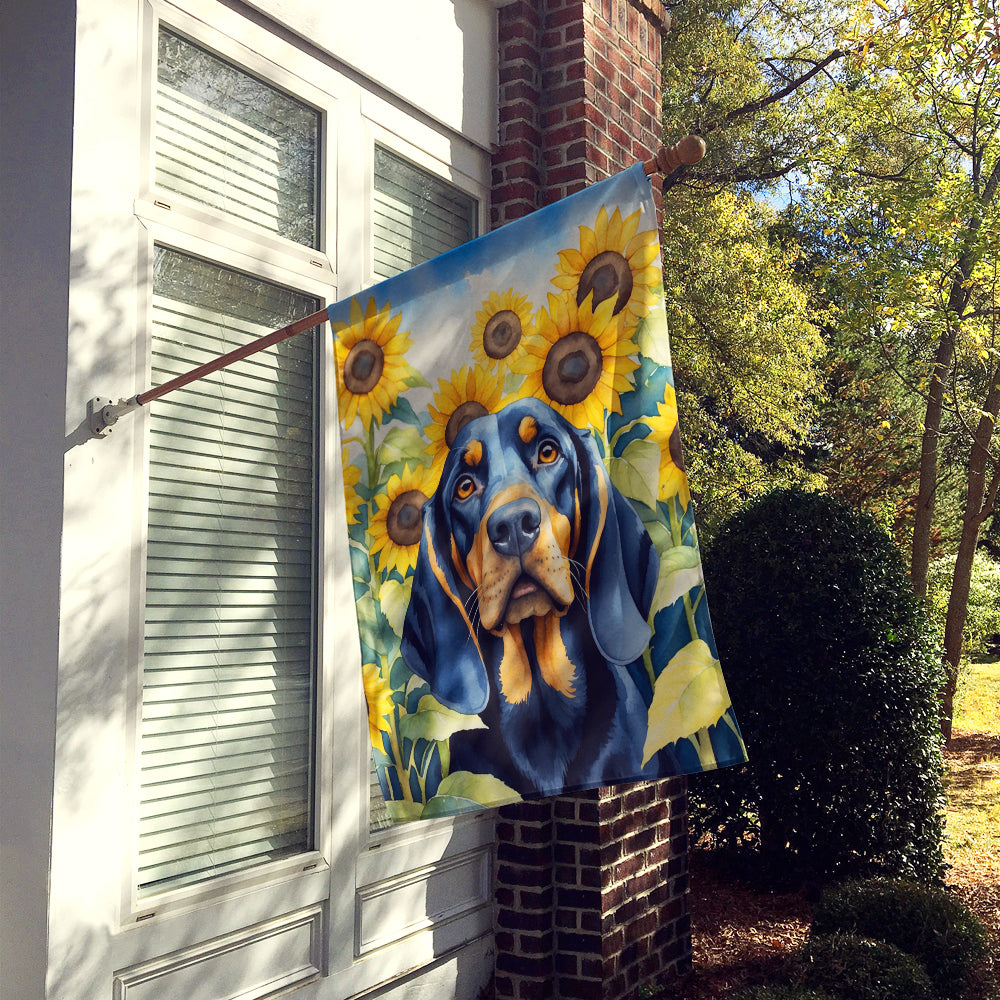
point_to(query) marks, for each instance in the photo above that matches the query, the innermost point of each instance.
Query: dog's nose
(513, 528)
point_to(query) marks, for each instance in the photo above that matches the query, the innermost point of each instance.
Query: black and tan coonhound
(530, 596)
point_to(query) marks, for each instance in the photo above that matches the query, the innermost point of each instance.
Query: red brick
(514, 875)
(518, 49)
(552, 38)
(530, 899)
(642, 883)
(521, 90)
(536, 944)
(537, 966)
(520, 920)
(535, 989)
(567, 964)
(567, 133)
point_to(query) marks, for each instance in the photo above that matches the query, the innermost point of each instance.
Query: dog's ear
(622, 562)
(439, 642)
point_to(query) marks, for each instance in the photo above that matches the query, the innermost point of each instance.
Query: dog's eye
(548, 452)
(465, 487)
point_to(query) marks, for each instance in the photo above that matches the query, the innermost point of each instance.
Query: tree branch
(754, 106)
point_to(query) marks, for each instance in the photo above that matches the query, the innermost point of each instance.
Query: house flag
(529, 590)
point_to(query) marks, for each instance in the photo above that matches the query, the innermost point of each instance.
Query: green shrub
(856, 968)
(925, 922)
(781, 993)
(833, 672)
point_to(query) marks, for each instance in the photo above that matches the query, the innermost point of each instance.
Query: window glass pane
(228, 658)
(417, 215)
(231, 141)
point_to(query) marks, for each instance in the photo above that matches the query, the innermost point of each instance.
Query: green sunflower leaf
(415, 380)
(434, 721)
(394, 597)
(637, 473)
(402, 444)
(402, 812)
(652, 337)
(680, 570)
(368, 624)
(402, 410)
(689, 695)
(485, 789)
(448, 805)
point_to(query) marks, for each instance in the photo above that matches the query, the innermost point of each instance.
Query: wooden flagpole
(102, 413)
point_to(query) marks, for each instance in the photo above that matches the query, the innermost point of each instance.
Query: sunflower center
(606, 275)
(468, 411)
(572, 368)
(676, 455)
(363, 367)
(403, 522)
(501, 334)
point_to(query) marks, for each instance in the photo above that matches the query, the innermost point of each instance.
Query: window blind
(228, 140)
(228, 653)
(416, 216)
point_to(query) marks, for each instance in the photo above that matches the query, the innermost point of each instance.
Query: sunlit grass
(973, 785)
(977, 705)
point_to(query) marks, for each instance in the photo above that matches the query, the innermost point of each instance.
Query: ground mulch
(742, 934)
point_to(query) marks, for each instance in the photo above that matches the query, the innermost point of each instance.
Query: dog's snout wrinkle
(514, 528)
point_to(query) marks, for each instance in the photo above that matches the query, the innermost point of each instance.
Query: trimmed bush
(781, 993)
(856, 968)
(925, 922)
(833, 672)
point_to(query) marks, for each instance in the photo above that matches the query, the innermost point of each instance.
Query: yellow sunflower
(666, 432)
(578, 360)
(352, 476)
(396, 522)
(614, 262)
(469, 393)
(371, 363)
(378, 694)
(500, 328)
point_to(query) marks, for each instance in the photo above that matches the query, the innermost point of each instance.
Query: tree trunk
(979, 500)
(958, 300)
(920, 553)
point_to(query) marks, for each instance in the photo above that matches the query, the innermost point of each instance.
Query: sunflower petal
(629, 227)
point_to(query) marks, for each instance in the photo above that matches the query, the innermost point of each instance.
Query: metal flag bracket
(103, 413)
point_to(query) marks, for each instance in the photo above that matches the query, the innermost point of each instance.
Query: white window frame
(351, 873)
(180, 224)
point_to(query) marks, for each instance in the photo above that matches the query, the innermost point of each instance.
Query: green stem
(677, 536)
(368, 443)
(618, 433)
(706, 755)
(647, 659)
(397, 758)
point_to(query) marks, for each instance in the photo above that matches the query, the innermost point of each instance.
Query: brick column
(591, 889)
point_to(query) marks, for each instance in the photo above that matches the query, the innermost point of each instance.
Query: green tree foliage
(909, 181)
(834, 673)
(878, 121)
(982, 620)
(748, 355)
